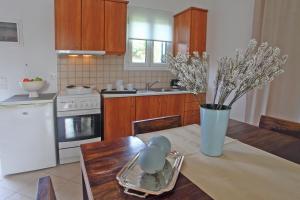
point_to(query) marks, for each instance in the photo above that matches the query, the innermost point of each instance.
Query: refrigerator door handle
(25, 113)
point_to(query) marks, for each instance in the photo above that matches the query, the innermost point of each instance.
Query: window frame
(149, 64)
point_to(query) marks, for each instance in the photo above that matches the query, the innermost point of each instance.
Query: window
(149, 39)
(138, 51)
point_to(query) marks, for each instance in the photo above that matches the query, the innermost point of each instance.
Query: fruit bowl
(32, 87)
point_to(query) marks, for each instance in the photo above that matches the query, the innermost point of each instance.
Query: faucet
(150, 84)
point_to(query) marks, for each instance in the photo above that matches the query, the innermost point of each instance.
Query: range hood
(79, 52)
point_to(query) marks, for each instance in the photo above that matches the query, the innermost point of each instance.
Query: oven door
(73, 128)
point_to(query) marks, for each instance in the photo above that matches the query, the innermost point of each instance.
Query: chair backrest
(156, 124)
(280, 126)
(45, 189)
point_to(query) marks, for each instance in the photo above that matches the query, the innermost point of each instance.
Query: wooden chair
(156, 124)
(45, 189)
(280, 126)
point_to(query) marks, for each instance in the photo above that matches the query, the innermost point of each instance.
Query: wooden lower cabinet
(148, 107)
(173, 105)
(191, 117)
(119, 113)
(192, 108)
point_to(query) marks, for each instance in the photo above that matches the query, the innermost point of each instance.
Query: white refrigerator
(27, 136)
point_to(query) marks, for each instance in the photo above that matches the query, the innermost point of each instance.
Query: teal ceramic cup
(214, 124)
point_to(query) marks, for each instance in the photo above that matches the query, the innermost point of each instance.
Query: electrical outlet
(3, 83)
(53, 76)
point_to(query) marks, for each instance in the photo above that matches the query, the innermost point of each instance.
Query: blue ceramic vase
(214, 124)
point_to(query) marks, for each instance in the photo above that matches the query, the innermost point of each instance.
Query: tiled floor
(66, 181)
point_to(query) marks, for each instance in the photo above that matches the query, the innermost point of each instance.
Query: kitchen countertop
(23, 99)
(149, 93)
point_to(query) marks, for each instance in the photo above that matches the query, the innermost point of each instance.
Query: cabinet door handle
(24, 113)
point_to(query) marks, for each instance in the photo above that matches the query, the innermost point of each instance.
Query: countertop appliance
(174, 83)
(78, 122)
(27, 136)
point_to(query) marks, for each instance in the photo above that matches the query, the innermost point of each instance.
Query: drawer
(191, 106)
(191, 117)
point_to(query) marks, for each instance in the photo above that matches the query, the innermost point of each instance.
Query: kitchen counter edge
(144, 94)
(30, 101)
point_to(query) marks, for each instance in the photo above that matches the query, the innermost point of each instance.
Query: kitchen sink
(154, 90)
(146, 91)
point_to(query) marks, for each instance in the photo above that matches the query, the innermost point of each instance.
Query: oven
(78, 122)
(79, 127)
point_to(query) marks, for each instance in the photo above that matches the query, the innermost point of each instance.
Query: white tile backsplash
(104, 70)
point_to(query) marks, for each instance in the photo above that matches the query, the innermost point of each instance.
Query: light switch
(53, 76)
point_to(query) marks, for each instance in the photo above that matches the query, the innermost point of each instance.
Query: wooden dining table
(101, 161)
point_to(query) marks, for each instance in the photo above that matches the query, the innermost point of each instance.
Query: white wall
(229, 28)
(37, 51)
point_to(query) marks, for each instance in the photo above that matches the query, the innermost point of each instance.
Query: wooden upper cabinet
(68, 24)
(93, 25)
(198, 30)
(115, 26)
(182, 31)
(119, 113)
(190, 30)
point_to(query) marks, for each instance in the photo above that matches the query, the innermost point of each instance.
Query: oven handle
(78, 113)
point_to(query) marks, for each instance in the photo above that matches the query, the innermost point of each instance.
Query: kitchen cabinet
(94, 25)
(68, 24)
(148, 107)
(190, 30)
(115, 26)
(192, 108)
(119, 113)
(158, 106)
(173, 105)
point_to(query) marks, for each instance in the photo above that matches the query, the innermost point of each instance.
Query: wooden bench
(156, 124)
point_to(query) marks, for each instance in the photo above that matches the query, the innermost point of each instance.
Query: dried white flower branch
(245, 71)
(190, 70)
